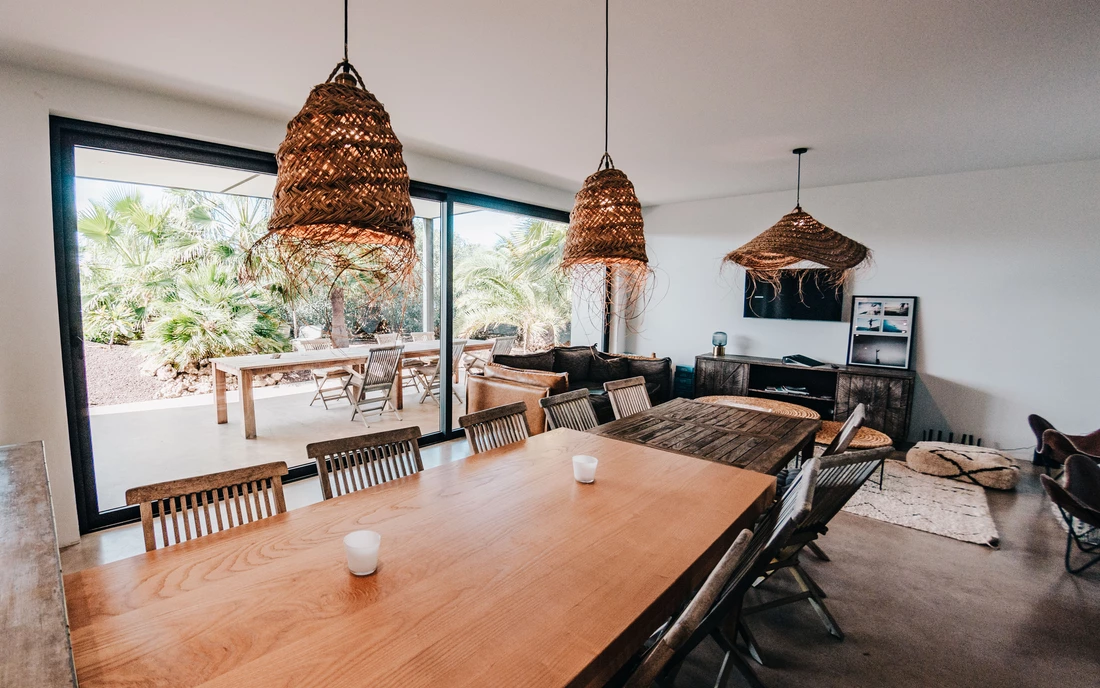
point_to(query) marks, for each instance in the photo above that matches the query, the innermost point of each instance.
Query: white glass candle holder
(584, 468)
(361, 548)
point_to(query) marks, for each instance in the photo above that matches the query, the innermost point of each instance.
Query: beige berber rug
(928, 503)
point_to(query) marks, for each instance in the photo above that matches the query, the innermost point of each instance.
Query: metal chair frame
(1082, 474)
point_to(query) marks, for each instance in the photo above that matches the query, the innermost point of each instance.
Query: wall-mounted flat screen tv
(799, 295)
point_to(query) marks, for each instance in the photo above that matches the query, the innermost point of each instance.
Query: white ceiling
(707, 96)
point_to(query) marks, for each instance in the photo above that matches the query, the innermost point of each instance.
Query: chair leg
(881, 474)
(319, 394)
(731, 661)
(750, 643)
(807, 584)
(1069, 550)
(818, 552)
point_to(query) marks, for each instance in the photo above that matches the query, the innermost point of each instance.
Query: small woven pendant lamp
(799, 238)
(341, 199)
(605, 242)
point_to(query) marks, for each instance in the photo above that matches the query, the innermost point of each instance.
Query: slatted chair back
(502, 346)
(847, 431)
(381, 366)
(423, 336)
(627, 396)
(496, 427)
(656, 659)
(458, 347)
(571, 410)
(312, 344)
(789, 510)
(353, 463)
(388, 339)
(840, 477)
(192, 507)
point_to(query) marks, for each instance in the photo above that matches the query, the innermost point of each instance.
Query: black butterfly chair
(1079, 501)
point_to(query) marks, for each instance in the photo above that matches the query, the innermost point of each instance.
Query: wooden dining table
(495, 570)
(746, 438)
(247, 367)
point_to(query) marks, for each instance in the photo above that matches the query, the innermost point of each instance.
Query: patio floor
(147, 442)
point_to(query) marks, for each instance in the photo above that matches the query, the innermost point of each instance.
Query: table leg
(400, 393)
(248, 406)
(219, 395)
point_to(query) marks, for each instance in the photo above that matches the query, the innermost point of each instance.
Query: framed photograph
(881, 333)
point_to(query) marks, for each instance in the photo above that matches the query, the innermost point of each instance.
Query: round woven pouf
(781, 408)
(865, 438)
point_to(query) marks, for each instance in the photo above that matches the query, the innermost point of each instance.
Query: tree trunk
(340, 337)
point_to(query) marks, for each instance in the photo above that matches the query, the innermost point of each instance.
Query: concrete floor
(148, 442)
(922, 610)
(918, 609)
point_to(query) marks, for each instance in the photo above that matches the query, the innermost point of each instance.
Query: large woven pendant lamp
(341, 199)
(604, 245)
(799, 240)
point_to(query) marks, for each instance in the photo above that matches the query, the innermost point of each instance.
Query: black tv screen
(815, 300)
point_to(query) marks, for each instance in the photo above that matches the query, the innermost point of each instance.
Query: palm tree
(516, 283)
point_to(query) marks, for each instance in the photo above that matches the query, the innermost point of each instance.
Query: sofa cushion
(574, 360)
(557, 383)
(604, 368)
(543, 360)
(657, 372)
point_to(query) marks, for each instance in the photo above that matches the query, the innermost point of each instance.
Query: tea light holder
(718, 340)
(584, 468)
(361, 549)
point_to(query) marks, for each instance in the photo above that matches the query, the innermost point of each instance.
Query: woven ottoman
(965, 463)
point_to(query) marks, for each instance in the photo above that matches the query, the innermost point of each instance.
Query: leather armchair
(488, 392)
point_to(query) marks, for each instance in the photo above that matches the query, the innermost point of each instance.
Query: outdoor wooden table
(756, 440)
(496, 570)
(247, 367)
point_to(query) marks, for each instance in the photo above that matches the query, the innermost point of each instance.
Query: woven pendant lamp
(341, 199)
(605, 241)
(799, 239)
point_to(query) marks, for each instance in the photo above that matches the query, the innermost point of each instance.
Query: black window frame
(67, 134)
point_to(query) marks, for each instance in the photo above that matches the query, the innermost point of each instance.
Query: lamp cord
(606, 72)
(798, 184)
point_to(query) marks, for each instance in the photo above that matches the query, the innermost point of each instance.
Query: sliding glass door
(151, 233)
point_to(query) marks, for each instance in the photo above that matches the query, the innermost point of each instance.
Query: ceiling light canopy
(799, 240)
(341, 200)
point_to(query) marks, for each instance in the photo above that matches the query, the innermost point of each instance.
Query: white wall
(32, 394)
(1006, 265)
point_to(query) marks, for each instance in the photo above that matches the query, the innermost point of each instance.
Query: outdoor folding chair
(628, 396)
(429, 375)
(722, 621)
(339, 375)
(388, 339)
(1079, 502)
(501, 345)
(840, 476)
(571, 410)
(378, 377)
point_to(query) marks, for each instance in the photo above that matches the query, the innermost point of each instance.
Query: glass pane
(161, 244)
(507, 282)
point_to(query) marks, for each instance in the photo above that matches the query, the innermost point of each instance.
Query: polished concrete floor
(148, 442)
(922, 610)
(918, 609)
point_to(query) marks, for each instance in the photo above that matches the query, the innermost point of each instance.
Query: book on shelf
(788, 389)
(799, 359)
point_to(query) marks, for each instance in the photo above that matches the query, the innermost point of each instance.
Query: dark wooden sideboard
(834, 392)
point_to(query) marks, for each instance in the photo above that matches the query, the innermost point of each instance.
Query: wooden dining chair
(571, 410)
(353, 463)
(627, 396)
(388, 339)
(379, 373)
(192, 507)
(339, 375)
(847, 431)
(722, 618)
(431, 374)
(501, 346)
(658, 656)
(496, 427)
(839, 478)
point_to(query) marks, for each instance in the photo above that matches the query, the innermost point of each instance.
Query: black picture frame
(881, 330)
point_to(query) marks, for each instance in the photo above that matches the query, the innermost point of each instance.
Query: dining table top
(357, 353)
(756, 440)
(495, 570)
